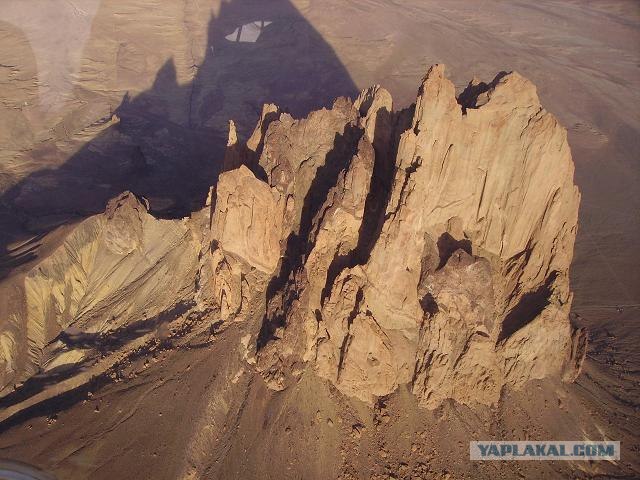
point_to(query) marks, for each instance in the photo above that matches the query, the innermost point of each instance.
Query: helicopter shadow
(167, 143)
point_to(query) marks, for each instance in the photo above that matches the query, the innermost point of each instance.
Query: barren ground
(196, 410)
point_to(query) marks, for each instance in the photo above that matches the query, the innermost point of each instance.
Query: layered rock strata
(114, 274)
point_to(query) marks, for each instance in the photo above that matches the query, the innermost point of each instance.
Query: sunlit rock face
(114, 270)
(461, 286)
(428, 247)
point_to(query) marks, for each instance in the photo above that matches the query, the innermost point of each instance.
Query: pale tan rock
(259, 202)
(352, 350)
(242, 249)
(428, 247)
(301, 154)
(247, 219)
(226, 286)
(236, 153)
(336, 227)
(466, 288)
(124, 253)
(270, 112)
(123, 231)
(334, 235)
(375, 106)
(455, 356)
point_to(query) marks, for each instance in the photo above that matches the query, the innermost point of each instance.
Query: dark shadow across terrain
(169, 142)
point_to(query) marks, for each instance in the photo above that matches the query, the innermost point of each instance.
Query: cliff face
(428, 247)
(453, 276)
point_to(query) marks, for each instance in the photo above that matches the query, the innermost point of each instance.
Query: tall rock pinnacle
(428, 247)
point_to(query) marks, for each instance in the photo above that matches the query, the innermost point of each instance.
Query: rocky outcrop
(428, 247)
(114, 271)
(461, 286)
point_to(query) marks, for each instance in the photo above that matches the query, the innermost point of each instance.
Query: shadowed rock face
(428, 247)
(143, 101)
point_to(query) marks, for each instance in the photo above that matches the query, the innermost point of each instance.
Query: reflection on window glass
(249, 32)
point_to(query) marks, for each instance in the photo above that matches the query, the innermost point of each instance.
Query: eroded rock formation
(465, 288)
(427, 247)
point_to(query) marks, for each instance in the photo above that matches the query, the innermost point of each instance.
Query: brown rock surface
(163, 375)
(495, 180)
(376, 250)
(70, 304)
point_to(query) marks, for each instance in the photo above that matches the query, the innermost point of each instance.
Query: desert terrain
(138, 374)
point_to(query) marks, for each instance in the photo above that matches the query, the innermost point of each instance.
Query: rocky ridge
(427, 247)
